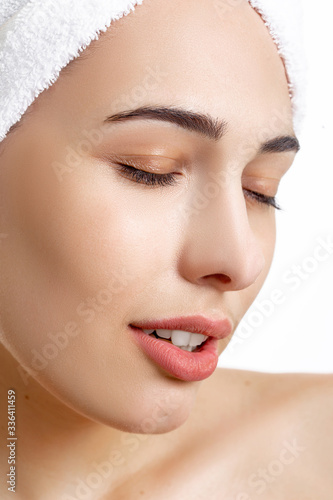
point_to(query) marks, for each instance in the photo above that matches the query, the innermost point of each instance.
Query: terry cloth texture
(284, 19)
(40, 37)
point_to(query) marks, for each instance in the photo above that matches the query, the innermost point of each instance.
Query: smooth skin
(89, 251)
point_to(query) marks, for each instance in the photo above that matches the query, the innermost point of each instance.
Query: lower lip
(185, 365)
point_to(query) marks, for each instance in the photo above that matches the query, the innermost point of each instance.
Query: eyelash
(263, 199)
(150, 179)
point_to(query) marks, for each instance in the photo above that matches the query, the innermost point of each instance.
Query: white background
(297, 335)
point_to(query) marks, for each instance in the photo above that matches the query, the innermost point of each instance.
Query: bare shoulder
(272, 388)
(256, 435)
(276, 425)
(308, 395)
(271, 406)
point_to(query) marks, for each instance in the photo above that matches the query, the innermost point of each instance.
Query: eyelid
(146, 178)
(155, 163)
(267, 186)
(133, 168)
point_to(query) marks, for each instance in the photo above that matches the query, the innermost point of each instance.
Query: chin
(156, 420)
(150, 416)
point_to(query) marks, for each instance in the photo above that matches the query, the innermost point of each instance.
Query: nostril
(223, 278)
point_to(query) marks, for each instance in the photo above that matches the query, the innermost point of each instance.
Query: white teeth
(197, 339)
(165, 334)
(185, 340)
(180, 338)
(187, 348)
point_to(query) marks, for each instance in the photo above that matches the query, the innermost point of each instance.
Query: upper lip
(218, 328)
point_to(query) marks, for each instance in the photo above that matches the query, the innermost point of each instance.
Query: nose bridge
(220, 241)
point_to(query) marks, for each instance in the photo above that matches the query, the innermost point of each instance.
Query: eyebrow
(201, 123)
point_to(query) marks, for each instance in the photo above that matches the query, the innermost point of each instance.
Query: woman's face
(90, 250)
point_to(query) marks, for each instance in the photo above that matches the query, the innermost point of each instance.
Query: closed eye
(148, 178)
(170, 179)
(262, 198)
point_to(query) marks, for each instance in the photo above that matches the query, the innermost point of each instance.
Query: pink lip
(185, 365)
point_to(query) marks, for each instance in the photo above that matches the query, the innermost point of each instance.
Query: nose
(219, 244)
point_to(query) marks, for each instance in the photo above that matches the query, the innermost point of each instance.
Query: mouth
(186, 347)
(186, 341)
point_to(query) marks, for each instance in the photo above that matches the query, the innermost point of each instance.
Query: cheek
(265, 230)
(263, 225)
(108, 233)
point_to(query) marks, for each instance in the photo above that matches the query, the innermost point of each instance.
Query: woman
(137, 203)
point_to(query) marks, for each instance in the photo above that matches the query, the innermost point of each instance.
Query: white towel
(40, 37)
(284, 19)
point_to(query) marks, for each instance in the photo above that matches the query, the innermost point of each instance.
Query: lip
(185, 365)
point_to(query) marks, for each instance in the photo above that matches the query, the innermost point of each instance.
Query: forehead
(202, 55)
